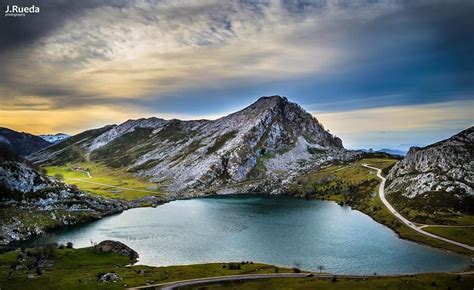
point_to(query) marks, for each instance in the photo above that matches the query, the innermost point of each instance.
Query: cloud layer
(200, 58)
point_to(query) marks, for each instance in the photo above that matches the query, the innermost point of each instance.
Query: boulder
(116, 247)
(110, 277)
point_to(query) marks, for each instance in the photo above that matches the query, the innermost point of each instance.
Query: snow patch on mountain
(55, 138)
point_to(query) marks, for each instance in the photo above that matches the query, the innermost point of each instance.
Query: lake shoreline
(466, 268)
(153, 201)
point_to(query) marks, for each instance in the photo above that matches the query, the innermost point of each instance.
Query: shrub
(48, 250)
(69, 245)
(59, 176)
(296, 270)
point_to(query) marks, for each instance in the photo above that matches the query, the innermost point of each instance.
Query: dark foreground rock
(110, 277)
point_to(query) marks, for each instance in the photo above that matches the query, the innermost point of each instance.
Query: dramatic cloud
(200, 58)
(399, 126)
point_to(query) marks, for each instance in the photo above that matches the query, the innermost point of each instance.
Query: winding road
(419, 229)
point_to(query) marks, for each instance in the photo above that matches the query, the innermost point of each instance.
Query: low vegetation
(112, 183)
(419, 282)
(125, 149)
(436, 207)
(461, 234)
(63, 267)
(67, 268)
(349, 184)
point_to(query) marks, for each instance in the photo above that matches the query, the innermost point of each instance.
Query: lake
(276, 230)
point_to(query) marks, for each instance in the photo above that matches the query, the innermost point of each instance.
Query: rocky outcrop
(31, 203)
(110, 277)
(116, 247)
(17, 179)
(444, 167)
(270, 138)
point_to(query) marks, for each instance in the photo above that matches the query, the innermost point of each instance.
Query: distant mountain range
(388, 151)
(393, 151)
(55, 138)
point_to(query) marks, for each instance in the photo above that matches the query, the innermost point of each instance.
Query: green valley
(108, 182)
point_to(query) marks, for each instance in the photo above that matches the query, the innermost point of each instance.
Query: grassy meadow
(419, 282)
(80, 268)
(108, 182)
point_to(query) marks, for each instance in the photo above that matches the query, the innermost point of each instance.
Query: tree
(234, 266)
(69, 245)
(320, 268)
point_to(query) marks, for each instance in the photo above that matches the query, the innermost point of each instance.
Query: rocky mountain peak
(280, 117)
(271, 135)
(270, 101)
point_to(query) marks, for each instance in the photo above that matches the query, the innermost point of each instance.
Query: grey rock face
(444, 166)
(23, 189)
(16, 176)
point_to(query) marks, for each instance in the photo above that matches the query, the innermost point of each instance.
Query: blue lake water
(277, 230)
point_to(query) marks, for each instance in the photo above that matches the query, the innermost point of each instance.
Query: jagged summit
(269, 136)
(264, 103)
(276, 99)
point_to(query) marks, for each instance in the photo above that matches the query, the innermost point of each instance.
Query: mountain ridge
(267, 136)
(21, 143)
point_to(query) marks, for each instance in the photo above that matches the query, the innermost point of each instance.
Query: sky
(378, 74)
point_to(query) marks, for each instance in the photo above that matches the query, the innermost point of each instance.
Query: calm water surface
(271, 229)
